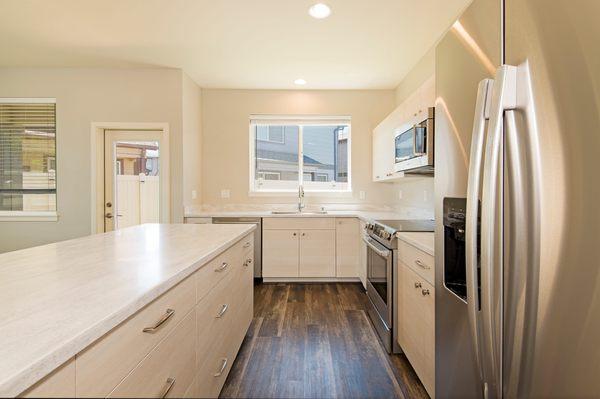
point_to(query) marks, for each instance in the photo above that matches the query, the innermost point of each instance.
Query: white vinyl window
(286, 152)
(27, 159)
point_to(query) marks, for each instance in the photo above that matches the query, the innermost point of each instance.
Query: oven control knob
(386, 235)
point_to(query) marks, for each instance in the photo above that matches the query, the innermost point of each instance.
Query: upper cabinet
(383, 135)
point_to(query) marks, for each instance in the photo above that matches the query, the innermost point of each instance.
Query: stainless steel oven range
(382, 246)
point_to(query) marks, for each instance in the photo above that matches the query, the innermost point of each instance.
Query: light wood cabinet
(402, 118)
(281, 253)
(347, 247)
(168, 370)
(317, 253)
(102, 365)
(415, 311)
(362, 265)
(313, 247)
(173, 347)
(59, 384)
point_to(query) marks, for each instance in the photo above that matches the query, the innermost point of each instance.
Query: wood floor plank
(316, 341)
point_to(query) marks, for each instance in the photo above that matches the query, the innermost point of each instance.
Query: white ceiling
(364, 44)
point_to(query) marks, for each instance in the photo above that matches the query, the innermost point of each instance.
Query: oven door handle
(375, 246)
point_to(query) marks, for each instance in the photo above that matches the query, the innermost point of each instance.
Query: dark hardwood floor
(316, 341)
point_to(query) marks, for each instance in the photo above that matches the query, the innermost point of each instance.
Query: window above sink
(289, 151)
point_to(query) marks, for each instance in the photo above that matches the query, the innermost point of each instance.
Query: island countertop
(57, 299)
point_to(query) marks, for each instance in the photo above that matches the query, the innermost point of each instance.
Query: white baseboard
(311, 280)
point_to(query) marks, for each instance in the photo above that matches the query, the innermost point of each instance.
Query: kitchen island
(111, 305)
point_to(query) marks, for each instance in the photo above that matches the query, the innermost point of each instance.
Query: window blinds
(27, 155)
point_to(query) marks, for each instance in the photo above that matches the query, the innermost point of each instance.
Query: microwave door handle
(472, 217)
(503, 98)
(415, 152)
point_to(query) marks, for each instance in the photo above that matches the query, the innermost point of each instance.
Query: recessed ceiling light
(319, 11)
(300, 82)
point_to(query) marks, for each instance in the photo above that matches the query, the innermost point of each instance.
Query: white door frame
(97, 169)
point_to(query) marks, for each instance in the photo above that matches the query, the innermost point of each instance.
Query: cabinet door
(383, 153)
(347, 247)
(280, 253)
(362, 265)
(317, 253)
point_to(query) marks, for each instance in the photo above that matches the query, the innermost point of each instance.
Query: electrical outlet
(399, 194)
(425, 195)
(362, 195)
(225, 193)
(194, 194)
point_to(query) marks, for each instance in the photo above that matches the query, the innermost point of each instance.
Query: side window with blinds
(27, 157)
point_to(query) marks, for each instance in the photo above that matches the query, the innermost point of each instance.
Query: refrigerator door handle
(473, 187)
(503, 98)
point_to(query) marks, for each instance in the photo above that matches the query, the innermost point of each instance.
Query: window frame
(35, 216)
(285, 187)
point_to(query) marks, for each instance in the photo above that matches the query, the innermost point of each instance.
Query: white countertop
(363, 215)
(423, 241)
(57, 299)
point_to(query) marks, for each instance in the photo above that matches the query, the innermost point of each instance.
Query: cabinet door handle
(248, 262)
(294, 234)
(303, 234)
(168, 314)
(222, 267)
(421, 264)
(170, 383)
(222, 369)
(247, 245)
(417, 285)
(222, 311)
(425, 292)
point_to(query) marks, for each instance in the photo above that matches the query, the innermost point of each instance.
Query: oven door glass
(405, 145)
(378, 274)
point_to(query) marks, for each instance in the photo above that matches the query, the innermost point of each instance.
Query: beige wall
(84, 96)
(225, 154)
(192, 140)
(424, 69)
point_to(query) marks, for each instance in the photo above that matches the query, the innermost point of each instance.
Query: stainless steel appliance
(414, 145)
(257, 238)
(382, 245)
(517, 137)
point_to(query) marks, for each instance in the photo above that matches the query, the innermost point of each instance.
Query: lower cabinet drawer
(105, 363)
(168, 371)
(418, 326)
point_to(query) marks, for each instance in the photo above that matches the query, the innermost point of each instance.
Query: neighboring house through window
(27, 159)
(290, 151)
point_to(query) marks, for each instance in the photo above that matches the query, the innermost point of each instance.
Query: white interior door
(133, 164)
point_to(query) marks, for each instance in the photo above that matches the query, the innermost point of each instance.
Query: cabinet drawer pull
(417, 285)
(421, 264)
(168, 314)
(222, 311)
(425, 292)
(222, 267)
(247, 245)
(303, 234)
(170, 383)
(248, 262)
(222, 369)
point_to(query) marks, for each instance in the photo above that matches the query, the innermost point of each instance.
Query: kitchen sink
(299, 213)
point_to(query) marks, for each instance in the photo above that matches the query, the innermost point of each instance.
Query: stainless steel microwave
(414, 146)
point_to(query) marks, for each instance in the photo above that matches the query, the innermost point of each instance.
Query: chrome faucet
(300, 198)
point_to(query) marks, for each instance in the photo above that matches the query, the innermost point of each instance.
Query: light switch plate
(225, 193)
(362, 195)
(194, 194)
(399, 194)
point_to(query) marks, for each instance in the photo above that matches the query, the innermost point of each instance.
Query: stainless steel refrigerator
(518, 139)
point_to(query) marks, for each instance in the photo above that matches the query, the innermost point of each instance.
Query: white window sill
(18, 216)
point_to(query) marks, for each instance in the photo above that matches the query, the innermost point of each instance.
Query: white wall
(225, 153)
(84, 96)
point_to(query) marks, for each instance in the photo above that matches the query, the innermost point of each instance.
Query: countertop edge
(24, 379)
(416, 243)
